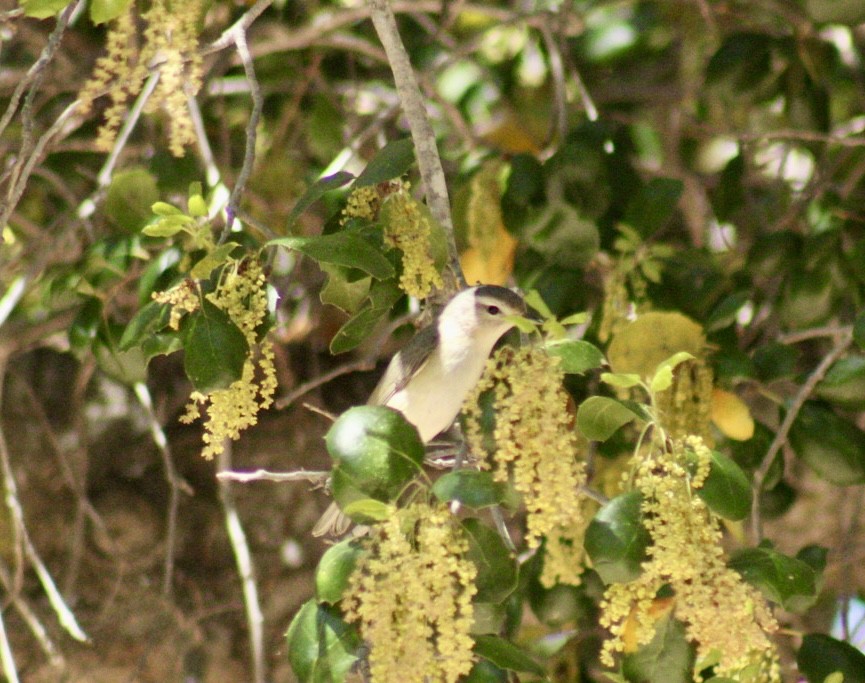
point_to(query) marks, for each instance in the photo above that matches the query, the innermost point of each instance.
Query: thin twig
(245, 568)
(423, 136)
(239, 36)
(175, 482)
(65, 616)
(55, 658)
(359, 365)
(557, 73)
(103, 179)
(34, 77)
(814, 333)
(6, 658)
(314, 476)
(26, 168)
(842, 343)
(239, 26)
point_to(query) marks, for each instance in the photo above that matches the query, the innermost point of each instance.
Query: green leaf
(727, 490)
(820, 656)
(127, 367)
(382, 296)
(497, 568)
(782, 579)
(215, 258)
(653, 206)
(616, 539)
(506, 655)
(663, 377)
(575, 319)
(844, 384)
(343, 249)
(316, 191)
(343, 292)
(165, 209)
(668, 657)
(358, 328)
(42, 9)
(367, 510)
(577, 356)
(106, 10)
(334, 570)
(321, 646)
(377, 449)
(484, 671)
(86, 324)
(830, 445)
(599, 417)
(621, 380)
(215, 347)
(167, 226)
(472, 488)
(391, 161)
(151, 317)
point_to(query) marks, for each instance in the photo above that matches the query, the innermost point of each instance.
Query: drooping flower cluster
(183, 298)
(721, 613)
(406, 227)
(170, 47)
(412, 594)
(242, 294)
(536, 443)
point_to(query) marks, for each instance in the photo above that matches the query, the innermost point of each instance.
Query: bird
(428, 380)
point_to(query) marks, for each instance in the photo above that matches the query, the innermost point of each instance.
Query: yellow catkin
(719, 610)
(536, 445)
(242, 294)
(169, 47)
(411, 593)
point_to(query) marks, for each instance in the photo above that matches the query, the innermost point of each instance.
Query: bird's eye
(493, 310)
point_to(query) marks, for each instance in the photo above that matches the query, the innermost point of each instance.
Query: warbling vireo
(429, 379)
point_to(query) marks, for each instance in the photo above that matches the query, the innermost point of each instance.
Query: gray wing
(403, 366)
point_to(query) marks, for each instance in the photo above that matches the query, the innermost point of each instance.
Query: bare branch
(842, 343)
(314, 476)
(176, 484)
(245, 568)
(423, 136)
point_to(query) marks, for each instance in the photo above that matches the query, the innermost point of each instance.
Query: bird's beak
(533, 315)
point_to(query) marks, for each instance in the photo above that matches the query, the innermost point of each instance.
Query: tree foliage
(659, 480)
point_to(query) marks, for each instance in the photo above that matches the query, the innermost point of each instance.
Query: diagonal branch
(423, 136)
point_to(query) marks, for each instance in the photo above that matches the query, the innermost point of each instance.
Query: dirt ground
(94, 497)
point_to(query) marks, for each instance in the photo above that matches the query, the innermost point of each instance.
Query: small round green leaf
(726, 490)
(497, 568)
(829, 444)
(215, 348)
(334, 569)
(616, 539)
(376, 449)
(471, 488)
(485, 671)
(577, 356)
(844, 384)
(668, 657)
(391, 161)
(822, 655)
(599, 417)
(321, 646)
(788, 581)
(506, 655)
